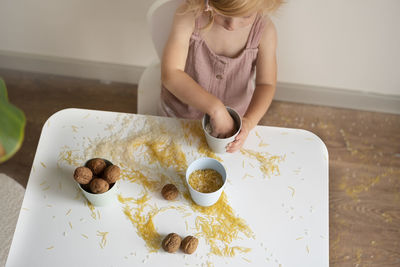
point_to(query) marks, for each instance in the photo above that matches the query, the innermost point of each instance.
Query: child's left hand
(240, 138)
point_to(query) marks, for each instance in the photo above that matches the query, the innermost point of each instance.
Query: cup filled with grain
(97, 180)
(206, 179)
(218, 145)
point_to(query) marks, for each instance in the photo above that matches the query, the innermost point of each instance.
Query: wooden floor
(364, 151)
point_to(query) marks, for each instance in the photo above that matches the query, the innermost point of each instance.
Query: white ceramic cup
(206, 199)
(218, 145)
(102, 199)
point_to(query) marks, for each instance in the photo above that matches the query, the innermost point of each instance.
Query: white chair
(159, 19)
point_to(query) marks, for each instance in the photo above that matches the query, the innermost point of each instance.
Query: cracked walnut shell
(189, 244)
(169, 192)
(171, 243)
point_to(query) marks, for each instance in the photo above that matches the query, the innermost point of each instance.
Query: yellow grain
(358, 255)
(268, 163)
(194, 130)
(262, 144)
(125, 200)
(220, 226)
(205, 181)
(293, 190)
(66, 155)
(247, 175)
(74, 128)
(367, 183)
(143, 153)
(103, 240)
(78, 194)
(145, 228)
(387, 217)
(92, 209)
(246, 259)
(136, 176)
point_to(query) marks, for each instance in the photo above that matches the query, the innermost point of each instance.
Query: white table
(285, 210)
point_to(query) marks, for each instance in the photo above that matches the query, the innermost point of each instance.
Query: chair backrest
(159, 18)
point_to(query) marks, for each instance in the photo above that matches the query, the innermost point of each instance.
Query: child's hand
(240, 138)
(222, 124)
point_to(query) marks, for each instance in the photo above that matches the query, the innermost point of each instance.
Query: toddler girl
(213, 52)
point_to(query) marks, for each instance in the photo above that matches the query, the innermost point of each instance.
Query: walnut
(169, 192)
(99, 185)
(189, 244)
(83, 175)
(111, 174)
(171, 243)
(96, 165)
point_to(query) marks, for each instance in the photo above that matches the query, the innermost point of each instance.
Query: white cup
(206, 199)
(218, 145)
(102, 199)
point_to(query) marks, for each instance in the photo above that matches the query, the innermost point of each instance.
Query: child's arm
(265, 86)
(182, 85)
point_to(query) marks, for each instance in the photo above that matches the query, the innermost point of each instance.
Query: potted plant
(12, 126)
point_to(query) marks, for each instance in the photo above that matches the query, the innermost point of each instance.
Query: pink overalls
(229, 79)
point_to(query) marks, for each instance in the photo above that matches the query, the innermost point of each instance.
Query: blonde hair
(232, 8)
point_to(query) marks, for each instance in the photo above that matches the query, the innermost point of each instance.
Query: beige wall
(112, 31)
(352, 45)
(340, 43)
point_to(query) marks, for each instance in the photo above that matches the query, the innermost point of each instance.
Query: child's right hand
(222, 124)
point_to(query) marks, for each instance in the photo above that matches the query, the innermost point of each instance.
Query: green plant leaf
(12, 126)
(3, 91)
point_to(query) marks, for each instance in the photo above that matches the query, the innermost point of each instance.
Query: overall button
(219, 76)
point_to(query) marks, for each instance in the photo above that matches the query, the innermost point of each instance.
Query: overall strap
(256, 32)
